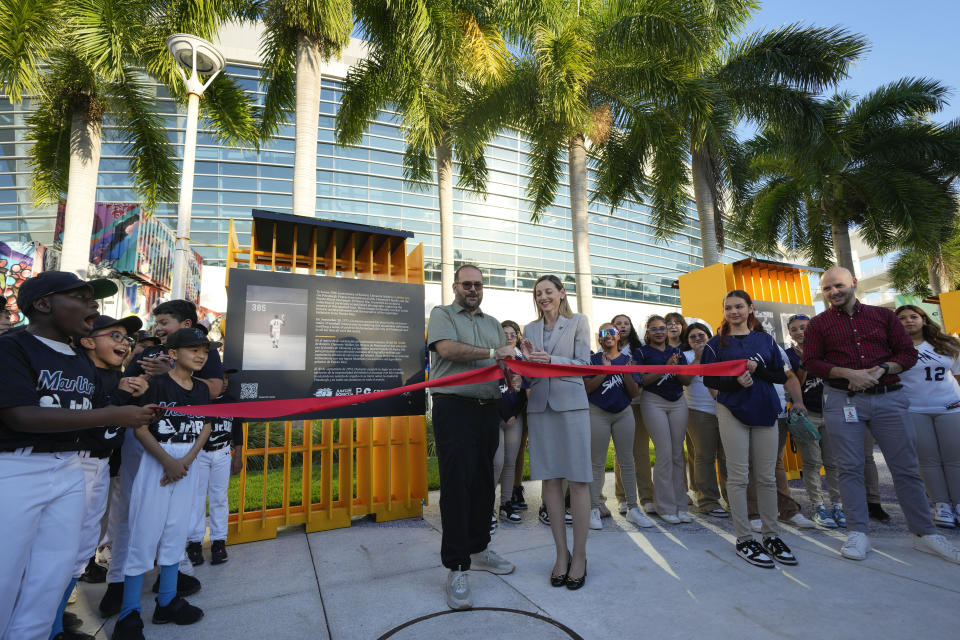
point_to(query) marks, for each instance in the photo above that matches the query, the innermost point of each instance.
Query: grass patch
(254, 488)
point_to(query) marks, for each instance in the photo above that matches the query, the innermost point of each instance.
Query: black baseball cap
(48, 283)
(143, 336)
(187, 338)
(132, 324)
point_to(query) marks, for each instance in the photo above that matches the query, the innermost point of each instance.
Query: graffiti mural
(17, 261)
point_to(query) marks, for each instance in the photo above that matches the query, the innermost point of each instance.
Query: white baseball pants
(96, 478)
(213, 479)
(159, 516)
(41, 513)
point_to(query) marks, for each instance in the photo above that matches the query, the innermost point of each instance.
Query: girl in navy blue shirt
(665, 415)
(747, 409)
(611, 416)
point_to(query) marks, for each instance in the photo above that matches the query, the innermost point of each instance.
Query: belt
(178, 439)
(872, 391)
(480, 401)
(217, 447)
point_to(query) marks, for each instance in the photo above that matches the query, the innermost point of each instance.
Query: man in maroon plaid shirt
(858, 350)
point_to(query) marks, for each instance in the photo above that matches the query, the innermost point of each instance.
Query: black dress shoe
(575, 583)
(186, 585)
(94, 573)
(876, 512)
(112, 599)
(561, 580)
(71, 621)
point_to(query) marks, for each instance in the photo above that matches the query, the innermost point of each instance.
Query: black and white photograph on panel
(275, 329)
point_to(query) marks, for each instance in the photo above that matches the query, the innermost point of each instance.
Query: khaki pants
(709, 459)
(666, 422)
(743, 445)
(619, 426)
(641, 461)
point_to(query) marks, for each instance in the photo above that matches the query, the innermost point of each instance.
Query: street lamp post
(200, 59)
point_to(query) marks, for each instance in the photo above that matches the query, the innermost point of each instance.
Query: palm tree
(30, 31)
(425, 59)
(586, 74)
(767, 77)
(876, 162)
(97, 71)
(299, 36)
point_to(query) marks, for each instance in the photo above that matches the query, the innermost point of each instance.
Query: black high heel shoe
(575, 583)
(561, 580)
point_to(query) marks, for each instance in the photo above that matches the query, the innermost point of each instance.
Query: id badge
(850, 413)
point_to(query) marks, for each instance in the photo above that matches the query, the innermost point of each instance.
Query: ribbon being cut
(272, 409)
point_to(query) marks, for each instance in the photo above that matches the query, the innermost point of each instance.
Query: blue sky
(920, 38)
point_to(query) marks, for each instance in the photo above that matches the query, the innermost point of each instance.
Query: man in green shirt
(466, 430)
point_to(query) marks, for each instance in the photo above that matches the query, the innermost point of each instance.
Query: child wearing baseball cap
(164, 489)
(47, 402)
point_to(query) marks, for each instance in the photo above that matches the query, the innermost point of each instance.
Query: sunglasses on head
(609, 332)
(797, 316)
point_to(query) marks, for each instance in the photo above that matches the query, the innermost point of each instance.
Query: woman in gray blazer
(558, 419)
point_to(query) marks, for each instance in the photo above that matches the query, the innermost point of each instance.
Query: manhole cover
(482, 623)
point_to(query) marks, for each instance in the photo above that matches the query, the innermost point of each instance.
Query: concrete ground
(385, 581)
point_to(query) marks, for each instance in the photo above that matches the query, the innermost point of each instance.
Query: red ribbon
(267, 409)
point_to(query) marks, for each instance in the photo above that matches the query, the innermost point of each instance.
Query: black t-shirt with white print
(35, 374)
(173, 427)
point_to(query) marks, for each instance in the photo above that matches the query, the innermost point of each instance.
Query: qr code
(249, 390)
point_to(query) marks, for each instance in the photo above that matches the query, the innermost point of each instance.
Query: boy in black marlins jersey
(47, 401)
(106, 347)
(164, 489)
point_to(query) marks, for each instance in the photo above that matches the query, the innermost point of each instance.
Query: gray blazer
(571, 345)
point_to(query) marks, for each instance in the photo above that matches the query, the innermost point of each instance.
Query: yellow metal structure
(702, 291)
(321, 473)
(950, 311)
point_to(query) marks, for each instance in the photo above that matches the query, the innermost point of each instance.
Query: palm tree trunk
(86, 136)
(937, 273)
(577, 155)
(445, 191)
(706, 208)
(307, 122)
(840, 233)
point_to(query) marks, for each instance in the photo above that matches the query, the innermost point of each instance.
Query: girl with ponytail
(747, 409)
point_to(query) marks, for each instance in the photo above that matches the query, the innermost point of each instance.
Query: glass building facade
(365, 184)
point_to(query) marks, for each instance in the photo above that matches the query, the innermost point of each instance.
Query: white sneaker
(669, 517)
(684, 516)
(937, 545)
(595, 522)
(487, 560)
(638, 518)
(649, 507)
(800, 521)
(943, 516)
(756, 525)
(457, 591)
(623, 508)
(856, 546)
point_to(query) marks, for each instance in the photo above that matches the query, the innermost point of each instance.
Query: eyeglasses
(697, 337)
(673, 324)
(471, 285)
(656, 329)
(797, 316)
(608, 333)
(117, 337)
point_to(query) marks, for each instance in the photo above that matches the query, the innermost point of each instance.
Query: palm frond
(227, 107)
(30, 30)
(155, 175)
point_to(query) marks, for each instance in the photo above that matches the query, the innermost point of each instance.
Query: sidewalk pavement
(385, 580)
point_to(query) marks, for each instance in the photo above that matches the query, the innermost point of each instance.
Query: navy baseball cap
(188, 338)
(132, 324)
(48, 283)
